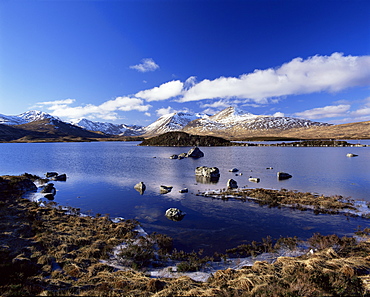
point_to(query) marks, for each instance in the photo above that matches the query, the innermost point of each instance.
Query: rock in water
(254, 179)
(283, 175)
(232, 184)
(140, 187)
(183, 155)
(49, 189)
(175, 214)
(60, 177)
(51, 174)
(211, 172)
(165, 189)
(195, 153)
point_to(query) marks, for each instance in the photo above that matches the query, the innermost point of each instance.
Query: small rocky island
(184, 139)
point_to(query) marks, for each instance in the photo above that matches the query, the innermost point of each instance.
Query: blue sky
(132, 61)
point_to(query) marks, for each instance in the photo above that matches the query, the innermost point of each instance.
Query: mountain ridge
(231, 123)
(109, 128)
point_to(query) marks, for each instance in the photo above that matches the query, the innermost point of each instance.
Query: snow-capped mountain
(172, 122)
(230, 122)
(109, 128)
(26, 117)
(233, 119)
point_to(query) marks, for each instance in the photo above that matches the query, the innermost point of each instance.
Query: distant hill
(46, 130)
(9, 133)
(57, 128)
(358, 130)
(184, 139)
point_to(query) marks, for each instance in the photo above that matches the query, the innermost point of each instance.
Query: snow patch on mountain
(109, 128)
(233, 118)
(175, 121)
(26, 117)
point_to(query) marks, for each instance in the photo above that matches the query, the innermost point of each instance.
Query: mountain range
(230, 123)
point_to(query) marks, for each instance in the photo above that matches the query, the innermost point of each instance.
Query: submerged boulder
(232, 184)
(195, 153)
(234, 170)
(140, 187)
(184, 190)
(175, 214)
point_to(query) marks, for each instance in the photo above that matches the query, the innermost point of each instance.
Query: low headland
(184, 139)
(50, 250)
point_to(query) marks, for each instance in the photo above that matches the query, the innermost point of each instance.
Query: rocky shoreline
(47, 249)
(294, 199)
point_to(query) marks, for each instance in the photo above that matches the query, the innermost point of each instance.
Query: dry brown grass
(298, 200)
(60, 256)
(360, 130)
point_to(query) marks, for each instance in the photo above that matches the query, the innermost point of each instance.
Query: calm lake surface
(101, 177)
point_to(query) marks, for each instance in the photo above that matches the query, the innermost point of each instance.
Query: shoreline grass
(319, 204)
(51, 250)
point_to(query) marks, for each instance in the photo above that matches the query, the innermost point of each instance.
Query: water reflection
(102, 177)
(206, 179)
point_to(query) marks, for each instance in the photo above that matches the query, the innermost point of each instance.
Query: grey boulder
(232, 184)
(211, 172)
(140, 187)
(195, 153)
(174, 214)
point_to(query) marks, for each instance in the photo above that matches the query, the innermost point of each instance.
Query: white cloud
(363, 111)
(163, 111)
(146, 65)
(163, 92)
(107, 110)
(217, 104)
(57, 102)
(315, 74)
(190, 82)
(278, 114)
(330, 111)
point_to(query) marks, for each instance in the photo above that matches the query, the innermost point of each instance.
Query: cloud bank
(324, 112)
(107, 110)
(315, 74)
(332, 73)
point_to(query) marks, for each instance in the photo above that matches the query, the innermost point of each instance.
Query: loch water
(102, 175)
